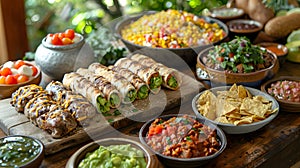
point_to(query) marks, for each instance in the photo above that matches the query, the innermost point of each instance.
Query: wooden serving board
(14, 123)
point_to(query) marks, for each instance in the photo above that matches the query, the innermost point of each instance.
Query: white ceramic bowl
(239, 129)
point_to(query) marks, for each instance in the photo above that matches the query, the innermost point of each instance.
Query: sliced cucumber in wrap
(147, 74)
(171, 77)
(127, 90)
(110, 92)
(78, 84)
(135, 80)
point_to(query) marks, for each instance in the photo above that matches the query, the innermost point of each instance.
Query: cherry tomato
(2, 80)
(56, 40)
(5, 71)
(50, 35)
(67, 41)
(16, 76)
(61, 35)
(35, 70)
(70, 33)
(22, 78)
(19, 63)
(10, 80)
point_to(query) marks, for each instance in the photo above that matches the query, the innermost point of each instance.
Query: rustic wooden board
(14, 123)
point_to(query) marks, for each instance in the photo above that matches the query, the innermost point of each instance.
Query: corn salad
(172, 29)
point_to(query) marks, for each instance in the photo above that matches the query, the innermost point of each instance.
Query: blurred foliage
(87, 16)
(193, 6)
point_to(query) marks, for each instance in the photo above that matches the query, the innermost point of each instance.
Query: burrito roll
(83, 86)
(140, 85)
(171, 77)
(128, 92)
(21, 96)
(37, 106)
(79, 106)
(58, 121)
(110, 91)
(149, 75)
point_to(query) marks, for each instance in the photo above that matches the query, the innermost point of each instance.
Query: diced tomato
(34, 70)
(70, 33)
(158, 129)
(220, 59)
(10, 80)
(2, 79)
(19, 63)
(22, 78)
(6, 71)
(231, 55)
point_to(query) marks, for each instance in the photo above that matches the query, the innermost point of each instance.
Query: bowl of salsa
(280, 50)
(181, 140)
(286, 90)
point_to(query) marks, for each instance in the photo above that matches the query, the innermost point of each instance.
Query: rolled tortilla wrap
(79, 106)
(21, 96)
(149, 75)
(83, 86)
(37, 106)
(58, 121)
(126, 89)
(171, 77)
(110, 91)
(136, 81)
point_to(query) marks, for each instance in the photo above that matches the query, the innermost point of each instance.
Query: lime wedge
(293, 44)
(294, 36)
(281, 13)
(294, 10)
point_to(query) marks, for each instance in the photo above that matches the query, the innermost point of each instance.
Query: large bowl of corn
(184, 34)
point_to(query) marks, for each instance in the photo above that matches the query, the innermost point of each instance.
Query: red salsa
(182, 137)
(285, 90)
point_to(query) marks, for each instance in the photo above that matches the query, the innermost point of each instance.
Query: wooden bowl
(37, 151)
(280, 50)
(286, 106)
(250, 33)
(219, 78)
(80, 154)
(6, 90)
(188, 54)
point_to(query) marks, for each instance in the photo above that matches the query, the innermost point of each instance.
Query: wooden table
(275, 145)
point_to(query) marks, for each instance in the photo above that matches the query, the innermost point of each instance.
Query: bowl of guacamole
(113, 153)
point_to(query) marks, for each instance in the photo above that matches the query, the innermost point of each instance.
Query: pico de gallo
(238, 56)
(285, 90)
(15, 72)
(182, 137)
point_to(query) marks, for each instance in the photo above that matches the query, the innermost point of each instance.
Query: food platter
(13, 123)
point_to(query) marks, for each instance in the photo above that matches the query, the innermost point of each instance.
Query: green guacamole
(114, 156)
(17, 151)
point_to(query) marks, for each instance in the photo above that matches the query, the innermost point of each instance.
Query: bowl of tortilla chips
(236, 109)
